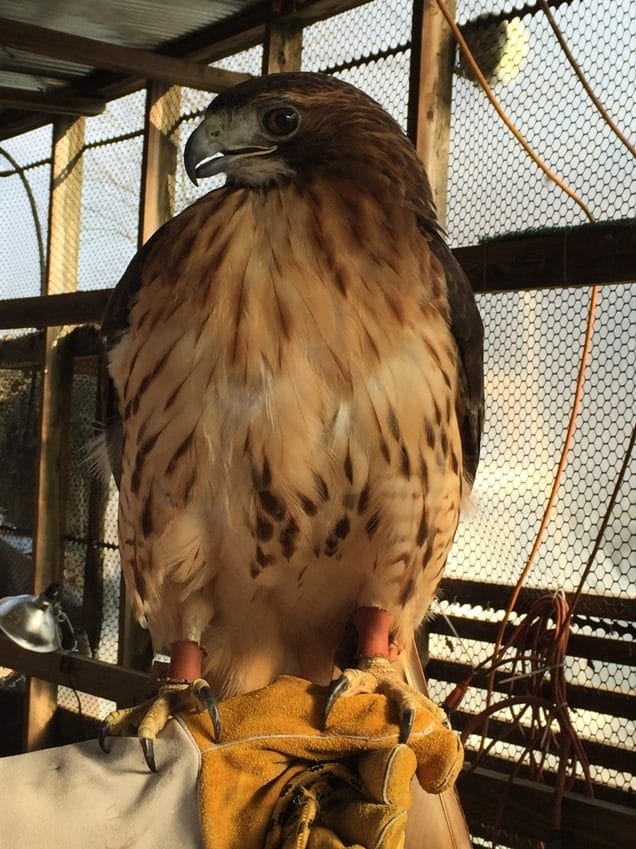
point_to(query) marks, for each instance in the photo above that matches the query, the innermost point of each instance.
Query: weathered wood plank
(50, 102)
(54, 310)
(282, 47)
(124, 686)
(580, 256)
(159, 165)
(55, 401)
(601, 754)
(609, 702)
(429, 108)
(496, 597)
(586, 823)
(603, 649)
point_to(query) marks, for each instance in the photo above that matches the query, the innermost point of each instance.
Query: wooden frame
(428, 125)
(574, 256)
(528, 809)
(55, 401)
(113, 57)
(207, 45)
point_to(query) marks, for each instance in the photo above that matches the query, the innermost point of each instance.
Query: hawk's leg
(374, 671)
(183, 690)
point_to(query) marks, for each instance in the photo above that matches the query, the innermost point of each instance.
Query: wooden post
(55, 400)
(428, 123)
(282, 48)
(159, 167)
(163, 107)
(432, 56)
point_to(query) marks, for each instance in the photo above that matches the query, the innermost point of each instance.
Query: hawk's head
(269, 129)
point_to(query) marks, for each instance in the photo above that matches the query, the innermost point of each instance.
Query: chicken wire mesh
(25, 184)
(534, 339)
(493, 186)
(19, 412)
(111, 178)
(91, 572)
(369, 47)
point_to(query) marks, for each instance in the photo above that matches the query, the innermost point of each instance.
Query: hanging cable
(583, 79)
(483, 82)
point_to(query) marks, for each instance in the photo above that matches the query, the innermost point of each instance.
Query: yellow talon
(151, 717)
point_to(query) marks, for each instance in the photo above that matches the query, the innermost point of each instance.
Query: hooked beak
(207, 153)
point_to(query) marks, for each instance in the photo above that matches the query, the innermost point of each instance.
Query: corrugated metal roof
(26, 69)
(30, 71)
(143, 24)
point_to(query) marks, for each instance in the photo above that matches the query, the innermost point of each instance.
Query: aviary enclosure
(531, 641)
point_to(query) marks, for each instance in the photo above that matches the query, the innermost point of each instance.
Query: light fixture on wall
(500, 49)
(36, 622)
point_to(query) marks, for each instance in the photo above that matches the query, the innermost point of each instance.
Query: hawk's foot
(377, 675)
(151, 717)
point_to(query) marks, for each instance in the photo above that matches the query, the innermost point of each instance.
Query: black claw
(335, 691)
(212, 705)
(149, 752)
(406, 725)
(102, 737)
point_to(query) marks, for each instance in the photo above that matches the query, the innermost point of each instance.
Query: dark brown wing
(468, 331)
(115, 323)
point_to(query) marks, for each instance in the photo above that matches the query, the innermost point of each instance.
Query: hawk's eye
(281, 121)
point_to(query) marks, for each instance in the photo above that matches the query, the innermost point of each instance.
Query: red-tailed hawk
(295, 397)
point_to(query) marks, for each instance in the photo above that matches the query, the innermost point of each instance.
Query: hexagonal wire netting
(111, 178)
(534, 339)
(25, 178)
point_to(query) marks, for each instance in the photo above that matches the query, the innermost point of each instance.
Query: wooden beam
(70, 669)
(608, 702)
(112, 57)
(612, 794)
(48, 538)
(600, 253)
(601, 754)
(527, 808)
(159, 164)
(51, 102)
(55, 401)
(579, 645)
(577, 256)
(428, 125)
(50, 310)
(282, 47)
(496, 596)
